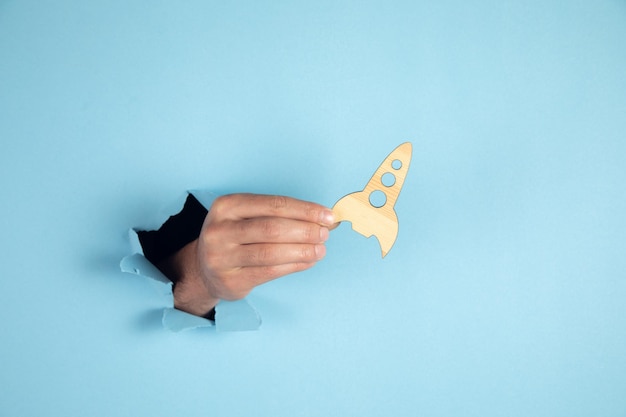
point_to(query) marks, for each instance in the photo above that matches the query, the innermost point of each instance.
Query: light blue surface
(505, 293)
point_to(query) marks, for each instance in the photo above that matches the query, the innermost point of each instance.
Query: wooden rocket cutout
(369, 217)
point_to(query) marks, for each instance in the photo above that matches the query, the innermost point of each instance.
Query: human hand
(247, 240)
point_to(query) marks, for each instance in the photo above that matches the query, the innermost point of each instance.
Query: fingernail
(327, 217)
(320, 251)
(324, 233)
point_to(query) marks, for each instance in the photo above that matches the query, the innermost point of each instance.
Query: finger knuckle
(213, 234)
(311, 212)
(301, 266)
(242, 227)
(277, 202)
(268, 272)
(264, 255)
(270, 229)
(310, 233)
(255, 256)
(250, 257)
(223, 204)
(307, 252)
(219, 205)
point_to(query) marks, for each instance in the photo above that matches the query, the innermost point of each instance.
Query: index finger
(247, 206)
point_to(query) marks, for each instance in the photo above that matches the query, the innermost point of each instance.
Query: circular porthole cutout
(388, 179)
(378, 198)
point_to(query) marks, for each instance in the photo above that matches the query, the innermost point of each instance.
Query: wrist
(190, 293)
(193, 299)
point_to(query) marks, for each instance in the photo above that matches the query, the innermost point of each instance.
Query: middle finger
(278, 230)
(268, 254)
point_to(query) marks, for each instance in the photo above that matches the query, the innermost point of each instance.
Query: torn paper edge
(155, 220)
(229, 315)
(236, 316)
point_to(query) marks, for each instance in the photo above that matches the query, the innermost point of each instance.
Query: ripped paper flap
(236, 316)
(137, 264)
(176, 320)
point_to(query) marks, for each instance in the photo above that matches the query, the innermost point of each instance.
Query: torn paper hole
(229, 315)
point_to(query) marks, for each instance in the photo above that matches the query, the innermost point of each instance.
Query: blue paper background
(505, 293)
